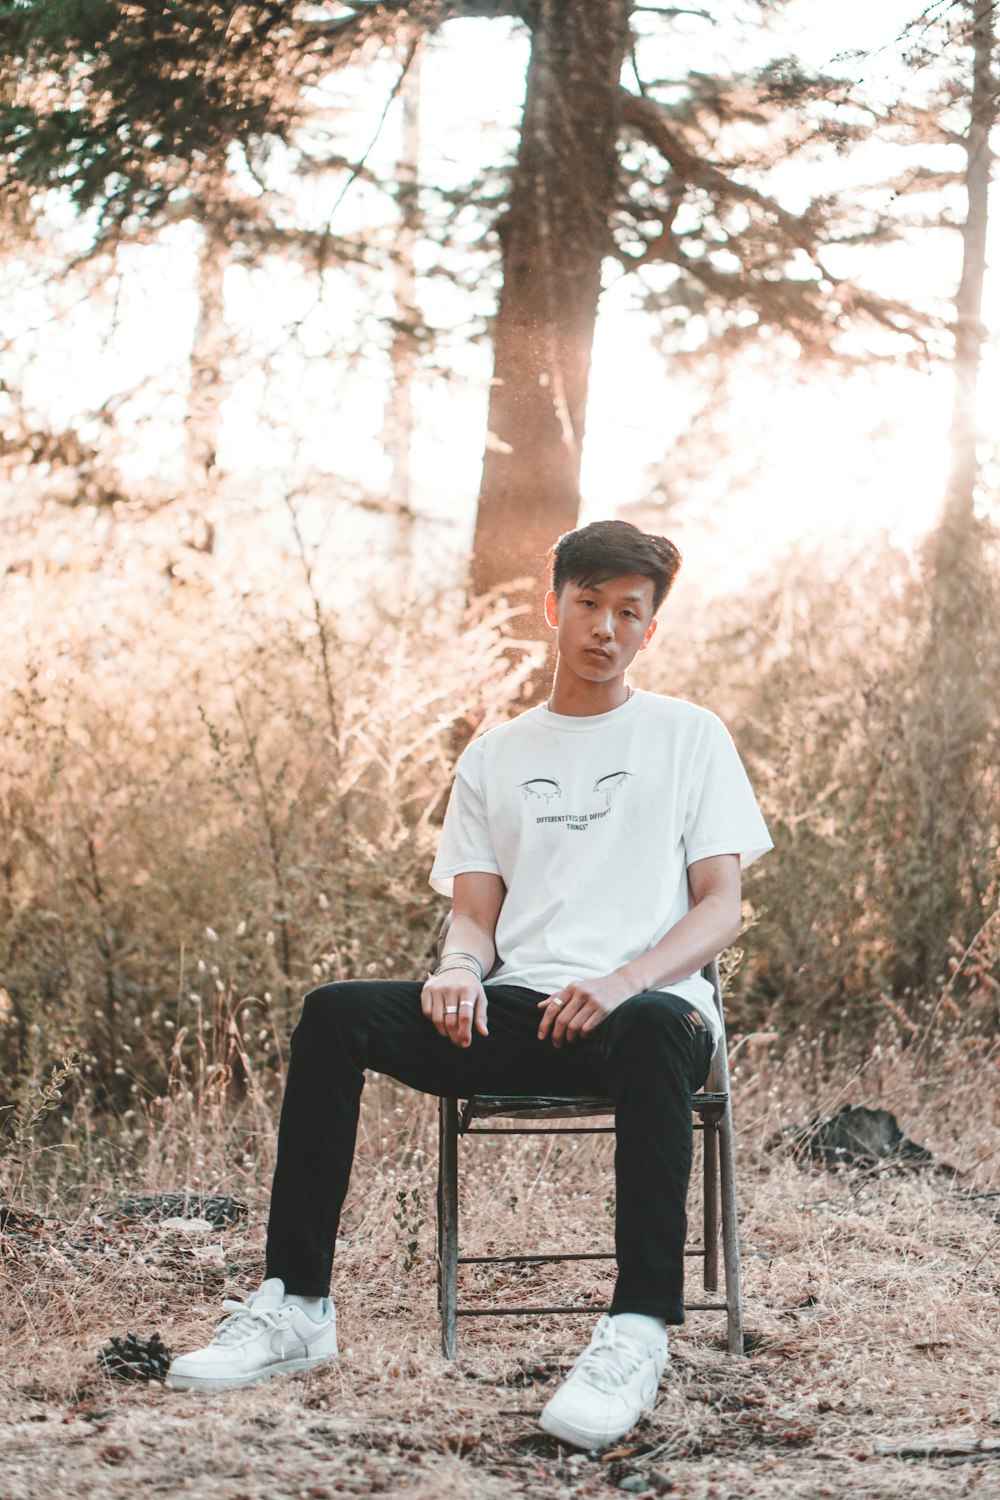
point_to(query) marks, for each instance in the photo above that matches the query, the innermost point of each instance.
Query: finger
(459, 1006)
(441, 1003)
(439, 1015)
(552, 1005)
(562, 1020)
(480, 1013)
(578, 1024)
(451, 1019)
(565, 1019)
(463, 1031)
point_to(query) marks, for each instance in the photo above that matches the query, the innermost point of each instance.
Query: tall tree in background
(555, 236)
(662, 177)
(398, 429)
(955, 722)
(949, 736)
(970, 332)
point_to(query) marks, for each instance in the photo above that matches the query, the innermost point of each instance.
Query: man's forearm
(695, 940)
(467, 935)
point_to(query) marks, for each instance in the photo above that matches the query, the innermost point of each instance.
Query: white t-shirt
(592, 823)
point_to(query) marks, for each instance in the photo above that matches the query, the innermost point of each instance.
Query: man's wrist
(460, 960)
(633, 978)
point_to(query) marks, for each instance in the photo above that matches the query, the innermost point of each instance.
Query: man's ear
(649, 633)
(552, 609)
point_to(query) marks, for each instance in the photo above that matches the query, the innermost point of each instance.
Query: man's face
(600, 627)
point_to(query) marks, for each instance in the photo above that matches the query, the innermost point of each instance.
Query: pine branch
(655, 124)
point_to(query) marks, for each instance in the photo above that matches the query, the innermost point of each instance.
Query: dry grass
(872, 1304)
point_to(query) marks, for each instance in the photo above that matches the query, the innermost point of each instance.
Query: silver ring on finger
(467, 1005)
(554, 1000)
(451, 1010)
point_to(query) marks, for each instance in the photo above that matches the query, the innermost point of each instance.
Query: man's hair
(611, 549)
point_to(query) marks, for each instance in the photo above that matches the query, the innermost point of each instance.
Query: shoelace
(611, 1360)
(244, 1319)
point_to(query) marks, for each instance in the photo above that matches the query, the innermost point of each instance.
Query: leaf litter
(872, 1365)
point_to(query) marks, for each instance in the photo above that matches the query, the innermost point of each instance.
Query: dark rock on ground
(217, 1209)
(854, 1136)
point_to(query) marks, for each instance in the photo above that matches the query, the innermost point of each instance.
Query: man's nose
(604, 627)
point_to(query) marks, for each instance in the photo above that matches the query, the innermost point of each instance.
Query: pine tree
(955, 725)
(655, 178)
(135, 112)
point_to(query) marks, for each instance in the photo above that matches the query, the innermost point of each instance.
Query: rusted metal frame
(448, 1223)
(533, 1107)
(527, 1312)
(731, 1236)
(560, 1130)
(523, 1260)
(526, 1260)
(576, 1307)
(543, 1130)
(719, 1078)
(708, 1105)
(710, 1206)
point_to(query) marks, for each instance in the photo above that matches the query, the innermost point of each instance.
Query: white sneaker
(263, 1336)
(609, 1387)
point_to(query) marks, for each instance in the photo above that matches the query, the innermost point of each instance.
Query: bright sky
(824, 460)
(812, 458)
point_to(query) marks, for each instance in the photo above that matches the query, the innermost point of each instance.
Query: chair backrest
(717, 1081)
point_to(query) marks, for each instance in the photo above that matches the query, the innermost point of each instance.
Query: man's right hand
(453, 1001)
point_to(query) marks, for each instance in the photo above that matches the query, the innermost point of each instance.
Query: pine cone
(133, 1358)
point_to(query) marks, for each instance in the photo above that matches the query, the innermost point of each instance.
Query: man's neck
(577, 699)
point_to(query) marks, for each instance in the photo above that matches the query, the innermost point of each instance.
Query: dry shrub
(198, 823)
(874, 747)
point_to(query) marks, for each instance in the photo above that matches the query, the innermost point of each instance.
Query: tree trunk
(398, 421)
(952, 725)
(554, 235)
(207, 383)
(970, 334)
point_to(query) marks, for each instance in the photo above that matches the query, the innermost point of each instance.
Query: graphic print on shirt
(608, 785)
(546, 789)
(541, 786)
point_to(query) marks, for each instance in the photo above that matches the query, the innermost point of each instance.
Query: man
(592, 850)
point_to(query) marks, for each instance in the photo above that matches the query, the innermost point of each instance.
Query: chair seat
(561, 1106)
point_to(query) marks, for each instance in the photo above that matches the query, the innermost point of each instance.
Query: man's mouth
(598, 651)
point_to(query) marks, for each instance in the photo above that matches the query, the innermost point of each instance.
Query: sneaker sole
(591, 1441)
(226, 1382)
(573, 1436)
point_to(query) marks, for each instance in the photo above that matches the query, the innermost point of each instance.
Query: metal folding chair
(713, 1117)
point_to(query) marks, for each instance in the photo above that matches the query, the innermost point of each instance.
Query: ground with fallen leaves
(872, 1304)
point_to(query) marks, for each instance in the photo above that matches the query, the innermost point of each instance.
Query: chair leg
(448, 1223)
(730, 1235)
(710, 1216)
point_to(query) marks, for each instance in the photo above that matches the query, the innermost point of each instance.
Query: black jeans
(649, 1055)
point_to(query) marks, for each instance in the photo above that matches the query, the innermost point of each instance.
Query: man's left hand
(572, 1012)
